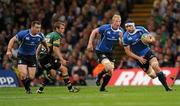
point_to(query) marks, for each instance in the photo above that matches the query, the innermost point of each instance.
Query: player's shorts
(49, 62)
(103, 55)
(29, 60)
(148, 56)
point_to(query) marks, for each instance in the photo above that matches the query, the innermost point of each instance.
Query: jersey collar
(117, 30)
(32, 34)
(59, 34)
(136, 30)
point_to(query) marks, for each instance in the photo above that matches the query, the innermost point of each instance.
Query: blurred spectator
(79, 73)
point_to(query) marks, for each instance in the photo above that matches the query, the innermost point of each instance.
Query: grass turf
(90, 96)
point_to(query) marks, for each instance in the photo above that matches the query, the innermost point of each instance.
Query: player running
(28, 42)
(54, 60)
(110, 33)
(135, 41)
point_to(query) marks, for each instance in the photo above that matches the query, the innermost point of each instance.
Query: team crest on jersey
(27, 38)
(108, 32)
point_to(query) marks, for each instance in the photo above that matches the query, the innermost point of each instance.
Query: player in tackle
(109, 34)
(53, 61)
(135, 41)
(28, 42)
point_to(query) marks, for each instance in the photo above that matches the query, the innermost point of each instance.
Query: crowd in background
(81, 16)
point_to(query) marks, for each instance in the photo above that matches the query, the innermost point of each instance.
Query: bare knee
(108, 66)
(53, 73)
(151, 73)
(64, 70)
(155, 66)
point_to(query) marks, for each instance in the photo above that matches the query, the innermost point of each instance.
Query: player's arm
(148, 39)
(120, 38)
(131, 54)
(57, 52)
(10, 46)
(56, 49)
(38, 50)
(45, 45)
(92, 36)
(37, 54)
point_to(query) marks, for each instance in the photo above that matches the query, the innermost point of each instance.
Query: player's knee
(151, 73)
(107, 65)
(53, 73)
(64, 69)
(31, 76)
(155, 64)
(22, 75)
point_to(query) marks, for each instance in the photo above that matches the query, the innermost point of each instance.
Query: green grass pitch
(90, 96)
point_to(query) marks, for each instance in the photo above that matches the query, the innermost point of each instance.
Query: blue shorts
(29, 60)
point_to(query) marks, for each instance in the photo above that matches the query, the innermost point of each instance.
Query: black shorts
(29, 60)
(48, 62)
(148, 56)
(103, 55)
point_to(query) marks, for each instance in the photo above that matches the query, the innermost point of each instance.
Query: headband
(130, 24)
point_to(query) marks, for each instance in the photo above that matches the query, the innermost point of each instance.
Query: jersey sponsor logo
(134, 77)
(114, 39)
(136, 41)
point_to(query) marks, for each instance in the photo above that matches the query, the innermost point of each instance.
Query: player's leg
(23, 76)
(155, 65)
(99, 77)
(48, 77)
(67, 82)
(100, 56)
(109, 67)
(31, 75)
(45, 67)
(151, 73)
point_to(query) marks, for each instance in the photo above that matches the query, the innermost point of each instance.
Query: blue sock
(162, 79)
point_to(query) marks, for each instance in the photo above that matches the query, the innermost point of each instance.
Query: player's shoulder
(122, 30)
(140, 28)
(23, 32)
(53, 35)
(125, 34)
(105, 26)
(41, 34)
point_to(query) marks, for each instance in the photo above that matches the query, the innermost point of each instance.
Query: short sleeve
(42, 37)
(125, 40)
(56, 40)
(145, 30)
(102, 28)
(19, 36)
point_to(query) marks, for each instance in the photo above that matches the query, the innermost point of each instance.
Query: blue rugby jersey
(134, 41)
(108, 38)
(27, 42)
